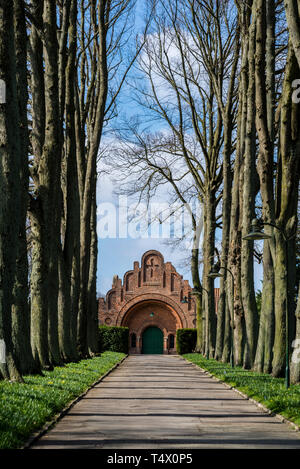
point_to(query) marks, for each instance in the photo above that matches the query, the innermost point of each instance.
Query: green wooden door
(153, 341)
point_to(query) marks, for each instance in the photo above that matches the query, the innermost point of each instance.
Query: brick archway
(154, 286)
(146, 311)
(147, 298)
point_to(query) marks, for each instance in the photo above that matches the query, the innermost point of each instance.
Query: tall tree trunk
(66, 302)
(221, 319)
(292, 10)
(265, 124)
(75, 292)
(47, 196)
(92, 325)
(10, 184)
(20, 307)
(295, 362)
(209, 251)
(38, 288)
(227, 186)
(234, 317)
(198, 296)
(64, 313)
(76, 265)
(50, 167)
(38, 278)
(88, 186)
(264, 351)
(249, 184)
(286, 213)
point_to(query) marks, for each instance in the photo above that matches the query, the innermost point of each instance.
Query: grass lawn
(269, 391)
(26, 407)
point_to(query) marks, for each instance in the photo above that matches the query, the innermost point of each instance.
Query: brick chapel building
(153, 301)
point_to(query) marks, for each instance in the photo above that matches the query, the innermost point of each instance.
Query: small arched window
(133, 340)
(171, 341)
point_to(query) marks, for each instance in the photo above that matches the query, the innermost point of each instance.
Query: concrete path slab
(157, 401)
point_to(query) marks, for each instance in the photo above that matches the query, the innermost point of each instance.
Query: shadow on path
(137, 406)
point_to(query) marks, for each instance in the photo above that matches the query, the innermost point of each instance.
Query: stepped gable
(151, 295)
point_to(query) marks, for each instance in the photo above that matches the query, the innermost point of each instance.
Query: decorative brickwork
(152, 294)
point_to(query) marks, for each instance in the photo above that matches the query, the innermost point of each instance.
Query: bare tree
(103, 70)
(147, 162)
(219, 50)
(192, 103)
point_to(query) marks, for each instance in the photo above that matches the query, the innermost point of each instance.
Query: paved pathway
(157, 401)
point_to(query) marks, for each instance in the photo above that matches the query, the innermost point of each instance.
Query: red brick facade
(152, 294)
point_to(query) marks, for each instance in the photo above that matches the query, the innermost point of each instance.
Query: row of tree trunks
(60, 207)
(67, 310)
(249, 193)
(67, 126)
(51, 128)
(223, 335)
(45, 208)
(208, 262)
(264, 148)
(279, 206)
(88, 250)
(20, 307)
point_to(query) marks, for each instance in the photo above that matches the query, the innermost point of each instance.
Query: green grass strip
(261, 387)
(27, 407)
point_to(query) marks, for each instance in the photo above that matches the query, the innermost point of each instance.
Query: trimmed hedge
(113, 338)
(186, 340)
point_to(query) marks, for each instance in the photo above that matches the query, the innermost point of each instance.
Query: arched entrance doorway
(152, 294)
(144, 312)
(152, 341)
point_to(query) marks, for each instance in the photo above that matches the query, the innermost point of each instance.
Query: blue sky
(117, 255)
